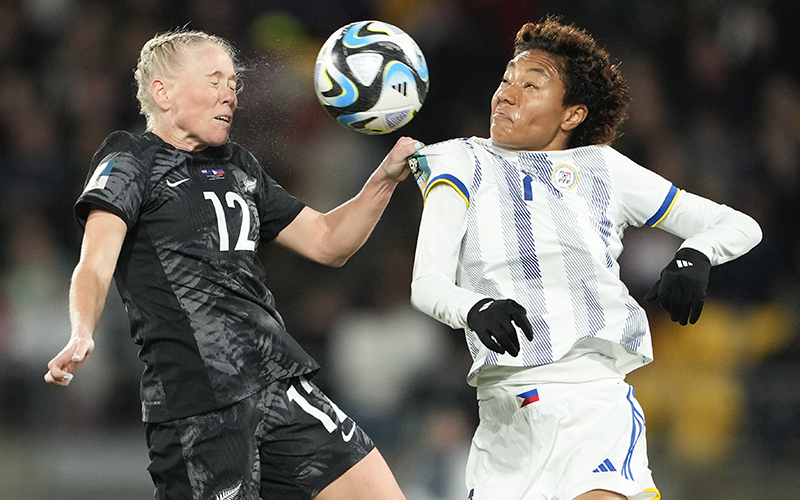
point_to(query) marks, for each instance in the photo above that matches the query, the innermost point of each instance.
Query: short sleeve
(645, 197)
(449, 163)
(116, 183)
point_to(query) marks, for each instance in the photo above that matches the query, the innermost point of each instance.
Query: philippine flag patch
(213, 174)
(528, 397)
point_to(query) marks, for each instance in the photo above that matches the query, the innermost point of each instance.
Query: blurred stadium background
(716, 109)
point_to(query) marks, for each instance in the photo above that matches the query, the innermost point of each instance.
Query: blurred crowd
(716, 109)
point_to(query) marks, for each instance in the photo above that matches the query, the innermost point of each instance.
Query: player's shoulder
(127, 147)
(449, 161)
(449, 155)
(440, 155)
(238, 155)
(457, 146)
(630, 176)
(123, 141)
(609, 152)
(599, 157)
(618, 162)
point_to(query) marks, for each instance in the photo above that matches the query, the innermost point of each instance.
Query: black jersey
(188, 273)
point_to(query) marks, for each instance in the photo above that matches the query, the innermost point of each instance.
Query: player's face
(203, 97)
(527, 108)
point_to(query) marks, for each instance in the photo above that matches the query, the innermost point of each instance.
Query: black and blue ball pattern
(371, 77)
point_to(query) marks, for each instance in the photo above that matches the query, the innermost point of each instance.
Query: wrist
(693, 256)
(381, 182)
(477, 308)
(79, 335)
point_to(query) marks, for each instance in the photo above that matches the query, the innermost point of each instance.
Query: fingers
(58, 373)
(697, 308)
(670, 299)
(496, 323)
(394, 165)
(61, 367)
(490, 341)
(520, 318)
(678, 310)
(508, 339)
(407, 146)
(682, 286)
(58, 378)
(80, 353)
(682, 309)
(410, 141)
(688, 311)
(652, 295)
(502, 338)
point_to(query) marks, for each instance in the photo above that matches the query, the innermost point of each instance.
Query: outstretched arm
(334, 237)
(102, 241)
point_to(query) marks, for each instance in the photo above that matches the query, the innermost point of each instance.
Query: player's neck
(178, 138)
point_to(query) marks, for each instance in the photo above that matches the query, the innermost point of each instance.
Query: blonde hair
(161, 54)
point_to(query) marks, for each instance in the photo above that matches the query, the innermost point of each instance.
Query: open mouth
(226, 119)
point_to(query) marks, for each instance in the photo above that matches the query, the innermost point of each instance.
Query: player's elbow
(752, 230)
(330, 259)
(757, 234)
(415, 295)
(338, 261)
(420, 299)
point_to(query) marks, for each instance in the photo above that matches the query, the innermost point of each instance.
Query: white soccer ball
(371, 77)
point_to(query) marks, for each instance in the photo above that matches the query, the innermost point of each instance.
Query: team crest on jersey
(419, 167)
(249, 184)
(564, 177)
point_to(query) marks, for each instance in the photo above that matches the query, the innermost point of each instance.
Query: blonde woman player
(177, 215)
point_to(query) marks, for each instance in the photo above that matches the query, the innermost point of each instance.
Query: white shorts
(558, 441)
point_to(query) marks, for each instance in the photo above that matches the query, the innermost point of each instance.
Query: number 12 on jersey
(231, 199)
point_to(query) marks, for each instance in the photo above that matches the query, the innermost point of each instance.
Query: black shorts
(288, 441)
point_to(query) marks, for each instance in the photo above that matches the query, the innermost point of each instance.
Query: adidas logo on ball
(371, 77)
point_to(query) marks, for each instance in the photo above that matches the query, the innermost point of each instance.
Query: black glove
(492, 321)
(682, 287)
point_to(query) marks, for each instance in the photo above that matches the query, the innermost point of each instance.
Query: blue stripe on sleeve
(453, 181)
(665, 207)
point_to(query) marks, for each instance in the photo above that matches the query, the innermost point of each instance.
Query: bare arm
(100, 249)
(334, 237)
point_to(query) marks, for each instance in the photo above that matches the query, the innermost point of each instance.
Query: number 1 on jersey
(231, 199)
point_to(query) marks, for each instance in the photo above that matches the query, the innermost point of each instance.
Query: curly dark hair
(588, 75)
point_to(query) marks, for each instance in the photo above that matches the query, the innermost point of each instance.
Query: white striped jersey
(545, 229)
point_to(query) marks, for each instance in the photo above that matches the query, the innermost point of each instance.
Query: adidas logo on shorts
(606, 466)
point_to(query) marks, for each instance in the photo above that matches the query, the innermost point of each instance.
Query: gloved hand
(492, 321)
(682, 286)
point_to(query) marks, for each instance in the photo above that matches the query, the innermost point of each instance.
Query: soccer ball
(371, 77)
